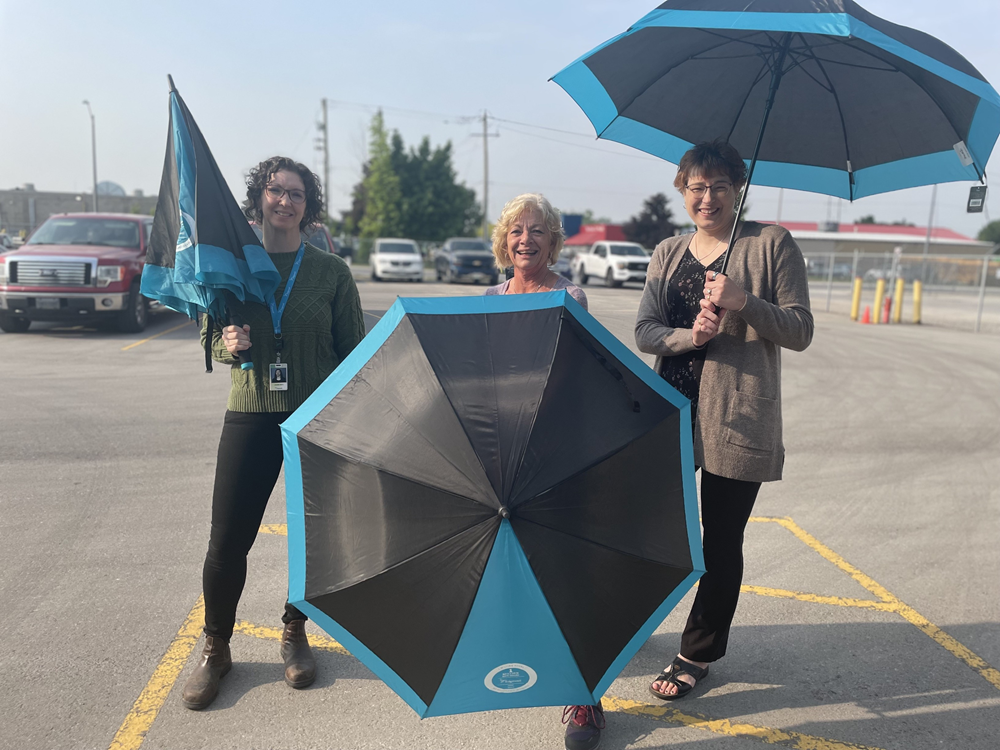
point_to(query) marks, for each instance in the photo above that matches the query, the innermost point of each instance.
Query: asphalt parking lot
(870, 618)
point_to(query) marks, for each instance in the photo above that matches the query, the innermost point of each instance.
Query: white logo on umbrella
(511, 678)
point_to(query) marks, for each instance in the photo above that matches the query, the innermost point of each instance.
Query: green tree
(383, 215)
(869, 219)
(435, 206)
(653, 224)
(990, 233)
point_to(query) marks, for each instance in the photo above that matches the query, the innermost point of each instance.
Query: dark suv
(463, 258)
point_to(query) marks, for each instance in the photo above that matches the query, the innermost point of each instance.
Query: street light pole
(93, 149)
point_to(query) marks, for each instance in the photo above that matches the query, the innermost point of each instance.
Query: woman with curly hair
(311, 324)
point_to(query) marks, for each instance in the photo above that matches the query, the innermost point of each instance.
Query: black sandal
(671, 674)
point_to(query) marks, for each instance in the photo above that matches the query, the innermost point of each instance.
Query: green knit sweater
(322, 322)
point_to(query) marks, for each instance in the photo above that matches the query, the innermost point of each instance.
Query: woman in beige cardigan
(717, 339)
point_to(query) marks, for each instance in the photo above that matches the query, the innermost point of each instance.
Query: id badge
(278, 376)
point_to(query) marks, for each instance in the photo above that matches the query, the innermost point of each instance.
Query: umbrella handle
(243, 355)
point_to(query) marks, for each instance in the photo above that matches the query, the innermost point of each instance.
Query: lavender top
(574, 291)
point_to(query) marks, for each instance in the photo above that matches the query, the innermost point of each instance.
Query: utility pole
(486, 135)
(323, 144)
(781, 194)
(93, 149)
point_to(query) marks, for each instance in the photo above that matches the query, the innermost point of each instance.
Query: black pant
(725, 509)
(249, 461)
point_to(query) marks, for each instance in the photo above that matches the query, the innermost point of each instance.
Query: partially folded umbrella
(491, 503)
(203, 256)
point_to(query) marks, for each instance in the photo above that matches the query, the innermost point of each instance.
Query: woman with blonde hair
(529, 236)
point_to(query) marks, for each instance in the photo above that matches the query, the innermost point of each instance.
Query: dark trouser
(725, 509)
(249, 460)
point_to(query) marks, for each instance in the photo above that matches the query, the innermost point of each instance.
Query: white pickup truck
(615, 262)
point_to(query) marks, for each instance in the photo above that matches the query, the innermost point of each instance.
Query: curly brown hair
(260, 175)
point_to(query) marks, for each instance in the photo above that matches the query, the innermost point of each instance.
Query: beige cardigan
(737, 432)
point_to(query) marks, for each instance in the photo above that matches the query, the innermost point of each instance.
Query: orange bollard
(867, 317)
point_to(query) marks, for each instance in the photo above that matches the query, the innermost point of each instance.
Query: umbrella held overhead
(824, 95)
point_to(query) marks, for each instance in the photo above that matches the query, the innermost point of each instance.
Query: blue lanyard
(277, 311)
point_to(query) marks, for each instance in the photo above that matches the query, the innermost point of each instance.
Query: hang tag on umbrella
(977, 197)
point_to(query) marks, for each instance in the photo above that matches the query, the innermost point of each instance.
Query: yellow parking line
(156, 336)
(611, 703)
(953, 646)
(280, 529)
(263, 631)
(133, 730)
(769, 735)
(888, 603)
(837, 601)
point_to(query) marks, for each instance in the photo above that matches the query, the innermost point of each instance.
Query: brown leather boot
(300, 666)
(203, 684)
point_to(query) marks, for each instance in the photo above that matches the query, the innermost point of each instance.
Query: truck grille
(637, 266)
(49, 273)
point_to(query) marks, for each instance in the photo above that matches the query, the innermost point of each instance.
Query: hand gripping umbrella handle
(243, 355)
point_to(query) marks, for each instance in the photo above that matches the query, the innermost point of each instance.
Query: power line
(544, 127)
(649, 157)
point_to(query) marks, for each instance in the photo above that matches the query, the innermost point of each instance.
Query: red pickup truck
(77, 267)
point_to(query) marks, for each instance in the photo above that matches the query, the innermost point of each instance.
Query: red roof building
(591, 233)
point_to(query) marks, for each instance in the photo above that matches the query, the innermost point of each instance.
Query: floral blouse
(685, 289)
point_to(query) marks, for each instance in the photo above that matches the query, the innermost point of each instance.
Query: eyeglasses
(274, 192)
(719, 189)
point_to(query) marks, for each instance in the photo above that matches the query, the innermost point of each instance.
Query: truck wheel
(13, 324)
(133, 318)
(581, 277)
(609, 279)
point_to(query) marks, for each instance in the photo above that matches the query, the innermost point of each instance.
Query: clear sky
(253, 75)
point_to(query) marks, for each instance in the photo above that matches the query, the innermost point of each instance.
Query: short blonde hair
(513, 211)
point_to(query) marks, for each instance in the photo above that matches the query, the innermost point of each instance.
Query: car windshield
(628, 250)
(318, 238)
(397, 247)
(469, 245)
(87, 231)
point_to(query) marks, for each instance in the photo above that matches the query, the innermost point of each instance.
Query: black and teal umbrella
(821, 95)
(491, 503)
(203, 257)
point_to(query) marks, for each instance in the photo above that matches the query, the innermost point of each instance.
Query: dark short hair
(261, 174)
(712, 156)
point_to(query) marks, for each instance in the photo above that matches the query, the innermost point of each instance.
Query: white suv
(615, 262)
(395, 259)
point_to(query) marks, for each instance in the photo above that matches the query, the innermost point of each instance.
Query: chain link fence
(959, 291)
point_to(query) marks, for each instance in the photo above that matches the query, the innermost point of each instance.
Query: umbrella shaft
(775, 81)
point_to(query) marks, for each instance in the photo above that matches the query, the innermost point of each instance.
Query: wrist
(746, 298)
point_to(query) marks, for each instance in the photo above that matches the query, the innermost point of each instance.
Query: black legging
(726, 505)
(248, 465)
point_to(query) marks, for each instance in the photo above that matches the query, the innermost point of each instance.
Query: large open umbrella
(203, 257)
(491, 503)
(823, 95)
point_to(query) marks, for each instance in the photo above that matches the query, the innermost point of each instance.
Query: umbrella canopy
(491, 503)
(860, 105)
(201, 247)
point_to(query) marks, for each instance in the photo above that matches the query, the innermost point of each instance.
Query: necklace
(697, 256)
